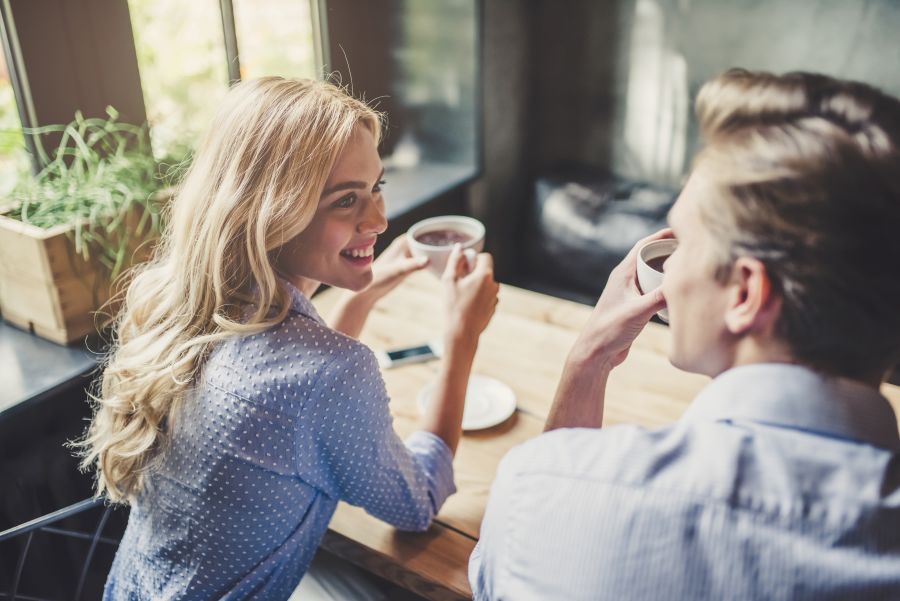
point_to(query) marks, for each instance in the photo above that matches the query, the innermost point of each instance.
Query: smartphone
(408, 354)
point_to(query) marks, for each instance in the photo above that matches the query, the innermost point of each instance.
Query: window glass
(274, 37)
(418, 62)
(183, 65)
(435, 63)
(14, 159)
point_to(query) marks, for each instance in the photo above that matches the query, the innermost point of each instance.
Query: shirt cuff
(435, 457)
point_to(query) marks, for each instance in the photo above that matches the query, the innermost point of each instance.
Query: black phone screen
(413, 351)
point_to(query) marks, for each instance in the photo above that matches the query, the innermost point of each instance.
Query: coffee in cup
(445, 237)
(656, 263)
(651, 258)
(435, 237)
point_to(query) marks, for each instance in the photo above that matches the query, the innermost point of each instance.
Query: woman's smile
(359, 256)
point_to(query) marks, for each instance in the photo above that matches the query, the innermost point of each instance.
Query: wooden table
(524, 346)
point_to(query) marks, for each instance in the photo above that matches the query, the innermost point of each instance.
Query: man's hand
(621, 312)
(604, 342)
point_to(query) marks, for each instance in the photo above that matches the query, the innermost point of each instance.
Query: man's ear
(752, 303)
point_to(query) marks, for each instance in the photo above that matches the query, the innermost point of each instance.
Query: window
(275, 37)
(183, 66)
(14, 160)
(183, 57)
(435, 70)
(416, 60)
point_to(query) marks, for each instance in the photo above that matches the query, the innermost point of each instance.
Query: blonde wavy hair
(808, 175)
(254, 184)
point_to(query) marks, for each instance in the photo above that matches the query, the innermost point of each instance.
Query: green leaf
(99, 172)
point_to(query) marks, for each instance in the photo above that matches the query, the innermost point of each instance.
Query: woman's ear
(752, 304)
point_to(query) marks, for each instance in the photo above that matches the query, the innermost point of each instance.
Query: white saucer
(488, 402)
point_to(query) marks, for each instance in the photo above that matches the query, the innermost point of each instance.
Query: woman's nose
(374, 221)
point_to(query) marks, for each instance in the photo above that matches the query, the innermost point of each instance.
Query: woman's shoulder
(303, 337)
(338, 358)
(297, 354)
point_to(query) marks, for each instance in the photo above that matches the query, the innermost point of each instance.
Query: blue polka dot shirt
(280, 426)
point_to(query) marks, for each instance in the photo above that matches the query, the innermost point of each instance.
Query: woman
(230, 417)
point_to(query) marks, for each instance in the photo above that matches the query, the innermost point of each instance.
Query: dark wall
(416, 61)
(356, 32)
(497, 197)
(573, 80)
(615, 81)
(39, 475)
(611, 83)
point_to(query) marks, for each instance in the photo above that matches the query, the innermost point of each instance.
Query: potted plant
(69, 232)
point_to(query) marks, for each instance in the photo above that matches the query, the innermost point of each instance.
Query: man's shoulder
(622, 452)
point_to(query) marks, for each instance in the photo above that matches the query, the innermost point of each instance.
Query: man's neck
(751, 350)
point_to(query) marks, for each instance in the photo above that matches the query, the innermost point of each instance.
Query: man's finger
(650, 303)
(666, 232)
(629, 264)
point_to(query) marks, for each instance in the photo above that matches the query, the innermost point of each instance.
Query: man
(782, 480)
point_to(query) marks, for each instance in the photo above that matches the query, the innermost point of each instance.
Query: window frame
(18, 80)
(85, 30)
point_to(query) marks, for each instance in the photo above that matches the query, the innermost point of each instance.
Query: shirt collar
(797, 397)
(300, 304)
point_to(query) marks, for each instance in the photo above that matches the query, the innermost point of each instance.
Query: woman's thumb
(412, 264)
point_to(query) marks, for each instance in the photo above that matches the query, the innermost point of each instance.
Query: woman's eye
(346, 202)
(378, 186)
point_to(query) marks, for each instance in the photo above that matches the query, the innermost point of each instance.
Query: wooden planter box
(45, 286)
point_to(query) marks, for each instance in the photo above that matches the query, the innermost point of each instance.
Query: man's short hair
(807, 171)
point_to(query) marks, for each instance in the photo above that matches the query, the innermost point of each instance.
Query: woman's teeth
(359, 252)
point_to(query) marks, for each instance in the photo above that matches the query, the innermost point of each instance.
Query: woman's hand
(392, 267)
(470, 294)
(389, 269)
(621, 312)
(470, 297)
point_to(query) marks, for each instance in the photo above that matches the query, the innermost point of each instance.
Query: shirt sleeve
(357, 456)
(485, 563)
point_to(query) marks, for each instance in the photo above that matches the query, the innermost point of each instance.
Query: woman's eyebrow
(349, 185)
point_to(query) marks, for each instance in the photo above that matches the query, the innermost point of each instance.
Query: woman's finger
(399, 247)
(462, 265)
(411, 264)
(451, 271)
(484, 262)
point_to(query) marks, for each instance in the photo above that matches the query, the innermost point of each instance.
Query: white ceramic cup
(649, 278)
(471, 229)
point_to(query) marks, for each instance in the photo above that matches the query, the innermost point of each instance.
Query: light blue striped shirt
(280, 427)
(777, 484)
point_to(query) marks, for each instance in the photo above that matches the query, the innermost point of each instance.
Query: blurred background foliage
(184, 69)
